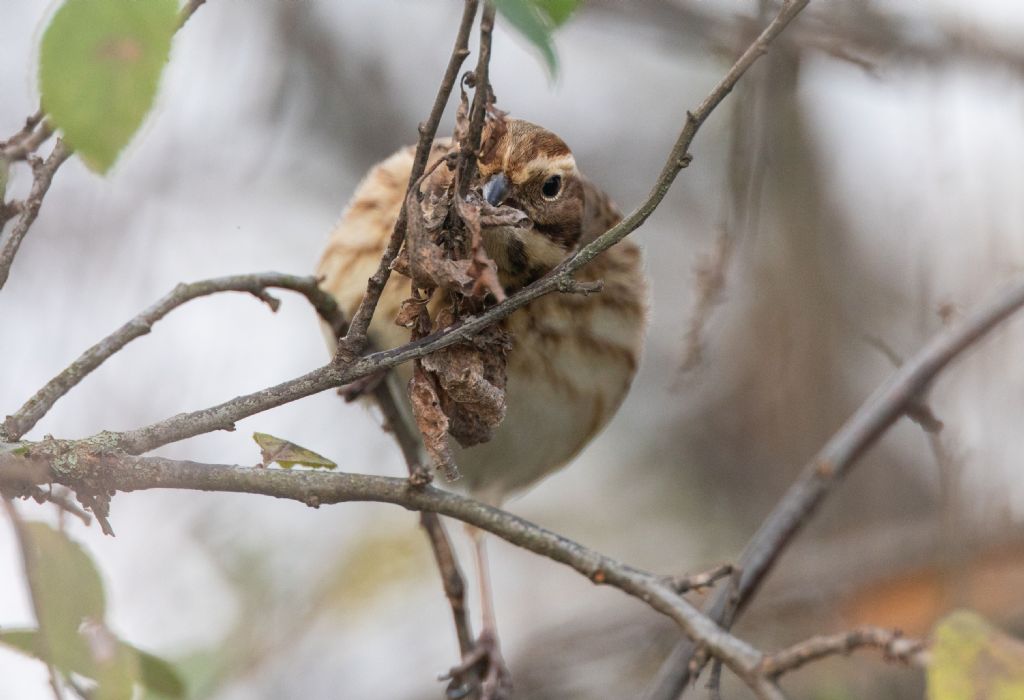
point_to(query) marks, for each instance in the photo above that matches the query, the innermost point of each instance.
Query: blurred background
(862, 185)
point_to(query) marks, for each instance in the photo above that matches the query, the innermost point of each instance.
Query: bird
(572, 357)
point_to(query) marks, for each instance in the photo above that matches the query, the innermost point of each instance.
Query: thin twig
(447, 563)
(355, 340)
(28, 140)
(31, 122)
(705, 579)
(481, 99)
(42, 175)
(62, 502)
(22, 420)
(28, 561)
(893, 645)
(188, 10)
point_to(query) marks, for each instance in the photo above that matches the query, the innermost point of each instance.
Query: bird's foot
(482, 673)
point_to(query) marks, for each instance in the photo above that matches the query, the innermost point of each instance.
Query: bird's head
(531, 169)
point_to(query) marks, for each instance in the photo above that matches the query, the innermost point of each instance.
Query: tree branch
(42, 175)
(36, 407)
(80, 466)
(898, 394)
(24, 143)
(188, 10)
(355, 340)
(481, 99)
(893, 645)
(447, 563)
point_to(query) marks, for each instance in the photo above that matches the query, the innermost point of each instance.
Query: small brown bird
(572, 357)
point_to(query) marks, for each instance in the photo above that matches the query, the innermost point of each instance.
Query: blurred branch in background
(857, 32)
(889, 402)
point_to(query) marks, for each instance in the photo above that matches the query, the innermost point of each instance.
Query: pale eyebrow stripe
(565, 163)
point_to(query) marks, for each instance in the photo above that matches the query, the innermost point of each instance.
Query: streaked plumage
(573, 357)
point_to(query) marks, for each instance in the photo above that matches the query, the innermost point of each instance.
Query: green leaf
(115, 670)
(126, 665)
(558, 11)
(288, 454)
(66, 588)
(970, 658)
(68, 595)
(158, 675)
(99, 66)
(536, 20)
(28, 641)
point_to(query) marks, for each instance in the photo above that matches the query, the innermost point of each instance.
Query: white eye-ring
(552, 187)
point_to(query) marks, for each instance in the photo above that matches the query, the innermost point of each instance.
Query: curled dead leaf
(413, 313)
(432, 422)
(430, 265)
(471, 379)
(481, 269)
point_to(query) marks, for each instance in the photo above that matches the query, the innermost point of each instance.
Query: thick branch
(79, 466)
(36, 407)
(355, 339)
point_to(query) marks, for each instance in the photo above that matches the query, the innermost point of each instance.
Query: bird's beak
(496, 189)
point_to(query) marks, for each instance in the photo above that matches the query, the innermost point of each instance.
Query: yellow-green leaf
(66, 588)
(128, 662)
(971, 659)
(288, 454)
(99, 67)
(158, 675)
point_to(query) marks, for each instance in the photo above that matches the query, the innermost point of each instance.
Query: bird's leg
(485, 657)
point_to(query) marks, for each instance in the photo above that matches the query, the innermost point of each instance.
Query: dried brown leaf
(462, 118)
(481, 269)
(412, 312)
(401, 262)
(429, 264)
(432, 422)
(471, 378)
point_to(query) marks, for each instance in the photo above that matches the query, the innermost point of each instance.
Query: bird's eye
(551, 187)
